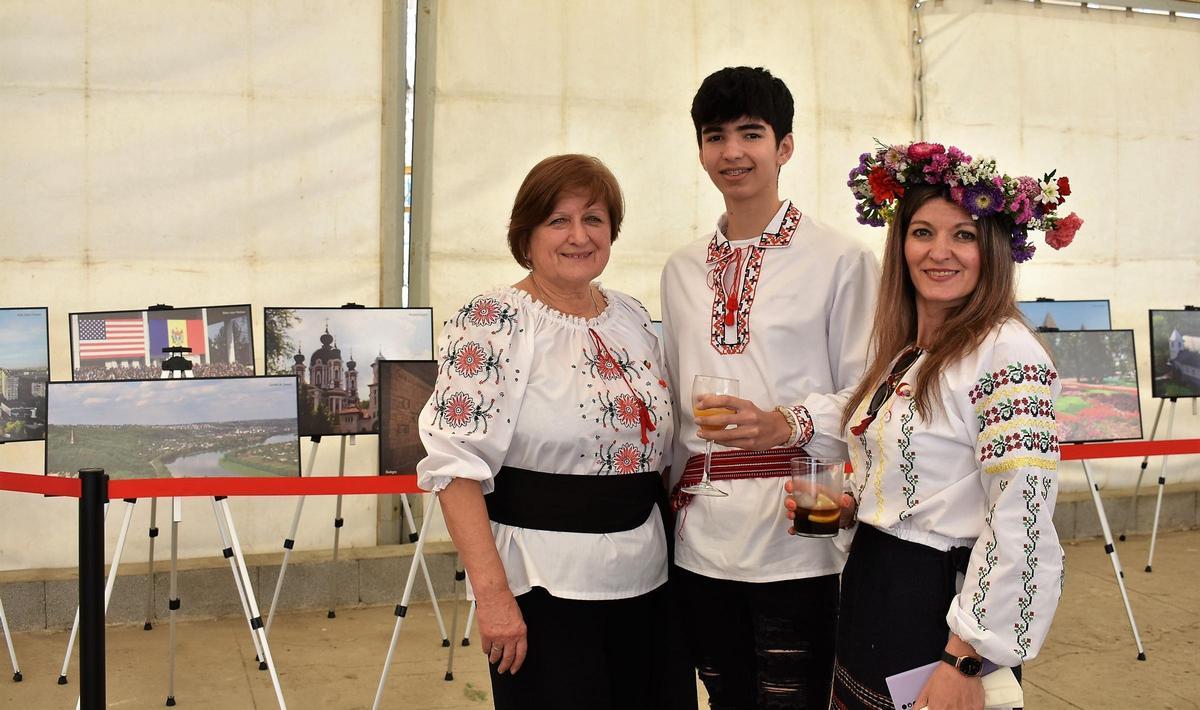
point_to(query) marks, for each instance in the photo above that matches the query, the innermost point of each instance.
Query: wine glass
(702, 386)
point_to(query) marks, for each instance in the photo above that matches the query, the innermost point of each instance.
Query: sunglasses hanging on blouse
(887, 387)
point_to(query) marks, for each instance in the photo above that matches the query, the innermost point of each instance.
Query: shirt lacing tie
(716, 281)
(603, 353)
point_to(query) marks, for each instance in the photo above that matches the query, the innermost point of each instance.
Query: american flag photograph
(111, 338)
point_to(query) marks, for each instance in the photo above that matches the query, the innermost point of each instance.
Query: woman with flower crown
(951, 434)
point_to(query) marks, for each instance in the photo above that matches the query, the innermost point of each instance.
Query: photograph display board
(333, 353)
(405, 387)
(24, 372)
(128, 345)
(1175, 353)
(185, 428)
(1066, 315)
(1098, 373)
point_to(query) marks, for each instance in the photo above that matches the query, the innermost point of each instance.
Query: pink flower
(924, 151)
(935, 172)
(1021, 208)
(1064, 232)
(956, 193)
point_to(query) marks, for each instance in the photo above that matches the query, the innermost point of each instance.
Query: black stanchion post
(93, 494)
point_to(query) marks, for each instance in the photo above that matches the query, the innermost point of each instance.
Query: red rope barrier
(1130, 449)
(224, 486)
(382, 485)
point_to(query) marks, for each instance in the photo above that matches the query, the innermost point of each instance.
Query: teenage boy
(782, 304)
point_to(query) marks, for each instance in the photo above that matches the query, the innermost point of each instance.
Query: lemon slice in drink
(825, 511)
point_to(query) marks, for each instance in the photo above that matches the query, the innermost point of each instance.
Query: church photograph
(334, 354)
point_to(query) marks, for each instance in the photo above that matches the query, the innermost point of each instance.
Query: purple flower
(1022, 250)
(935, 172)
(957, 155)
(1023, 253)
(983, 199)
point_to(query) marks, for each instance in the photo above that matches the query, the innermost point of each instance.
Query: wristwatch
(967, 665)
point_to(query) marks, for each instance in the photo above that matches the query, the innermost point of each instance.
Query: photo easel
(338, 522)
(1162, 472)
(179, 367)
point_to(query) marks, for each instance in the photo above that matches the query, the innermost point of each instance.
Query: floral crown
(1023, 202)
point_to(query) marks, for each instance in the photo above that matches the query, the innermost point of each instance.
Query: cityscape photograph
(24, 372)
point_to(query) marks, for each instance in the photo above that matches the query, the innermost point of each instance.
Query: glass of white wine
(702, 386)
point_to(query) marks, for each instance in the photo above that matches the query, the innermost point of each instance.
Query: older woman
(952, 434)
(546, 435)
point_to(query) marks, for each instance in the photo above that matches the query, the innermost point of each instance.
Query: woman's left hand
(849, 509)
(753, 429)
(947, 689)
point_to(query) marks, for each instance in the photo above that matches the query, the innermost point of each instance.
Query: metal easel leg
(402, 607)
(227, 552)
(437, 611)
(1111, 551)
(12, 653)
(466, 639)
(256, 621)
(108, 585)
(288, 543)
(150, 566)
(1162, 482)
(459, 576)
(337, 535)
(173, 599)
(1142, 472)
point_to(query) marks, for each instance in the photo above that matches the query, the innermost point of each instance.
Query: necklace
(541, 294)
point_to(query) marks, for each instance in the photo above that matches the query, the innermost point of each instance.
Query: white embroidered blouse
(794, 335)
(523, 385)
(981, 473)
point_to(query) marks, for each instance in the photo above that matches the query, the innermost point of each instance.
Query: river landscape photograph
(241, 426)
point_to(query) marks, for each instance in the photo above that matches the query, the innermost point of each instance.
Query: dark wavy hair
(733, 92)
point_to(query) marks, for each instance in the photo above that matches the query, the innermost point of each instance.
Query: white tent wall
(518, 81)
(1112, 100)
(230, 152)
(189, 153)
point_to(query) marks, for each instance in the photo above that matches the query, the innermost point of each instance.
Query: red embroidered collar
(778, 234)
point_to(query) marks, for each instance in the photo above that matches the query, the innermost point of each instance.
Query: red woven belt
(734, 464)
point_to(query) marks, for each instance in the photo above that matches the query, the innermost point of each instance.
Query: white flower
(1049, 193)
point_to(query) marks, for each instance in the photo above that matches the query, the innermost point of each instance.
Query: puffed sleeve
(817, 420)
(1014, 578)
(483, 367)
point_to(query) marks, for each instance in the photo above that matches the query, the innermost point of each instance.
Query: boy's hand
(752, 428)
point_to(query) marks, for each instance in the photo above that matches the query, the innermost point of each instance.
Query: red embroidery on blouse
(732, 309)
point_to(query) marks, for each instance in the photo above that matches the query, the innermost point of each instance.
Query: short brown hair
(546, 183)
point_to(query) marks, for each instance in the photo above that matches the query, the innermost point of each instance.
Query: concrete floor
(1088, 662)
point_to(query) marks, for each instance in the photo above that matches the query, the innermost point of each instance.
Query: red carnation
(1064, 232)
(1064, 189)
(883, 186)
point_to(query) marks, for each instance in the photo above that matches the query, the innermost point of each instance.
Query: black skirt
(895, 595)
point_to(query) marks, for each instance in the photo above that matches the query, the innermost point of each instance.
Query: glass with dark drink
(817, 492)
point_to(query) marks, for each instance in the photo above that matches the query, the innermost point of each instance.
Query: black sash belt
(570, 503)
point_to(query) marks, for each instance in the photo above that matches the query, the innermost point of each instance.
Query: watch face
(969, 666)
